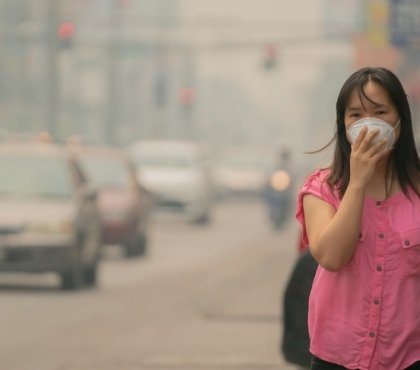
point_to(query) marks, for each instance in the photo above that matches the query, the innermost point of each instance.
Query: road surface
(205, 297)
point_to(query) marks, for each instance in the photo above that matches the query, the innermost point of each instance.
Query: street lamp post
(53, 98)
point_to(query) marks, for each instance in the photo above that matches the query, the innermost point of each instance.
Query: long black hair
(404, 157)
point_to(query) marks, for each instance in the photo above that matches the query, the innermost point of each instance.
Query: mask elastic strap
(393, 129)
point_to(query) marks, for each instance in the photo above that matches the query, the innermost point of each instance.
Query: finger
(382, 151)
(380, 155)
(360, 138)
(377, 147)
(367, 140)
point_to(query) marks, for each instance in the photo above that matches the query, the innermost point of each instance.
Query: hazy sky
(289, 10)
(282, 93)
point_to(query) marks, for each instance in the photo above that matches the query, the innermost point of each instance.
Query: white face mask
(386, 131)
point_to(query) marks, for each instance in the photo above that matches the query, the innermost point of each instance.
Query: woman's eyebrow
(357, 108)
(354, 108)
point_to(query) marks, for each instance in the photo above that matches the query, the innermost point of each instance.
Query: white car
(241, 171)
(177, 175)
(49, 220)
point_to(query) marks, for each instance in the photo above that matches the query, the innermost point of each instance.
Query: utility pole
(52, 77)
(112, 103)
(160, 84)
(187, 94)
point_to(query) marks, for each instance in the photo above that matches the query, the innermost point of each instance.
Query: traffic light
(270, 57)
(186, 96)
(65, 35)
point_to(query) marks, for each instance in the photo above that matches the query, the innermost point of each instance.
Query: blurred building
(381, 33)
(390, 37)
(105, 69)
(120, 70)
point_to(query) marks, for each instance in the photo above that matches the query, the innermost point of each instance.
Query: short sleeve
(316, 185)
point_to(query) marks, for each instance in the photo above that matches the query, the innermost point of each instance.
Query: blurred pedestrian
(361, 218)
(278, 190)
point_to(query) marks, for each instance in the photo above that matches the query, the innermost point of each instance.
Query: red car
(124, 204)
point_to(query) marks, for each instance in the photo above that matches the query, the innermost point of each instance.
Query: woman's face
(379, 105)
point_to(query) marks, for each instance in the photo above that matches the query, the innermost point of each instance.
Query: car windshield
(34, 176)
(244, 162)
(173, 161)
(105, 171)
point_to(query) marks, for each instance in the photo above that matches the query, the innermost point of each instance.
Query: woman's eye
(355, 115)
(378, 113)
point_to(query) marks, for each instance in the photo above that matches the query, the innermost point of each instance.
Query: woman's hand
(364, 156)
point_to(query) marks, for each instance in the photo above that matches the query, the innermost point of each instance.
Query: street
(205, 297)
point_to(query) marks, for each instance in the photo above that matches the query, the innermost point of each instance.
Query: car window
(244, 162)
(105, 171)
(34, 176)
(176, 161)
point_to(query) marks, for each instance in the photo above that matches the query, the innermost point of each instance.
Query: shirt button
(376, 301)
(378, 203)
(371, 334)
(379, 268)
(407, 242)
(381, 235)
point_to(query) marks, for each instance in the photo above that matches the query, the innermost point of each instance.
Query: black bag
(295, 341)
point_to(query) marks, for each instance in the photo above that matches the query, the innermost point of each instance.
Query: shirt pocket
(410, 242)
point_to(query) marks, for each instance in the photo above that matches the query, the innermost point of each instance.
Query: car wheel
(91, 270)
(90, 274)
(73, 277)
(137, 247)
(202, 219)
(142, 245)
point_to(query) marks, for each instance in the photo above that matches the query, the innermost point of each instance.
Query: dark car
(124, 204)
(49, 220)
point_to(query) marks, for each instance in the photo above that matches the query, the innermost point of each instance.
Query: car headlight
(280, 180)
(64, 227)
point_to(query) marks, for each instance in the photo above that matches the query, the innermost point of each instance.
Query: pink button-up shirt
(367, 315)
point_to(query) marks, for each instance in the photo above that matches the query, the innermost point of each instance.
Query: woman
(361, 219)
